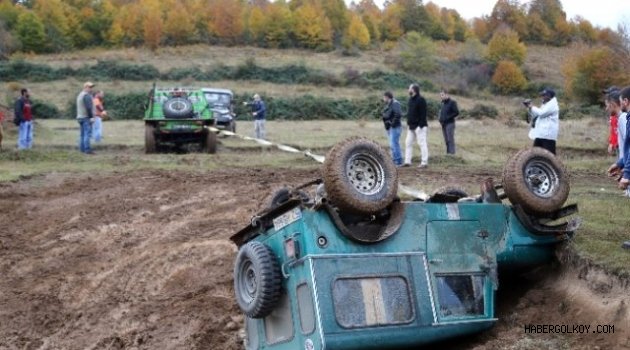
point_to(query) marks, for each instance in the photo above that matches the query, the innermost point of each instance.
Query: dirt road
(142, 261)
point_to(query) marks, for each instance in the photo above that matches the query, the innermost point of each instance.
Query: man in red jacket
(24, 120)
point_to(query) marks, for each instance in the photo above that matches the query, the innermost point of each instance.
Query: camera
(527, 102)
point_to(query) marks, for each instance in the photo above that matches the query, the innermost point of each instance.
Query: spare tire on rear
(178, 108)
(536, 180)
(257, 280)
(360, 177)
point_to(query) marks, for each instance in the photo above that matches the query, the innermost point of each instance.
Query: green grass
(483, 148)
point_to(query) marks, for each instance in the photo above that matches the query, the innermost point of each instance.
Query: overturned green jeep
(351, 266)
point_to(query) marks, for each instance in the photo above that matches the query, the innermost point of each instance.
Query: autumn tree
(31, 32)
(152, 23)
(279, 25)
(55, 20)
(256, 25)
(313, 30)
(505, 45)
(510, 13)
(338, 16)
(480, 29)
(390, 27)
(178, 28)
(549, 11)
(371, 17)
(9, 13)
(508, 78)
(594, 68)
(226, 21)
(539, 32)
(8, 44)
(417, 54)
(128, 26)
(357, 34)
(584, 30)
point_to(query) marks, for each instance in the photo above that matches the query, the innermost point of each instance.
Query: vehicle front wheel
(209, 143)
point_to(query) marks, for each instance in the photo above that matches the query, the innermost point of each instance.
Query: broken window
(368, 302)
(461, 295)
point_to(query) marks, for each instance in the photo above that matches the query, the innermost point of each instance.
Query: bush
(505, 45)
(44, 110)
(417, 54)
(508, 78)
(480, 111)
(127, 106)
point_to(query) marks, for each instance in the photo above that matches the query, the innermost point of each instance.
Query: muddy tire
(257, 280)
(178, 108)
(150, 143)
(360, 177)
(209, 143)
(536, 180)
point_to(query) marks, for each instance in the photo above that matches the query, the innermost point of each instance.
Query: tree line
(43, 26)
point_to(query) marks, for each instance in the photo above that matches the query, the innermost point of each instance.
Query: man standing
(24, 120)
(85, 117)
(545, 121)
(259, 113)
(391, 119)
(448, 113)
(417, 126)
(99, 114)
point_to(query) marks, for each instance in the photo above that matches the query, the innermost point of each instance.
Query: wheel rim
(178, 105)
(247, 282)
(365, 173)
(541, 178)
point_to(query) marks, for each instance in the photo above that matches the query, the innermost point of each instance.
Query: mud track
(141, 261)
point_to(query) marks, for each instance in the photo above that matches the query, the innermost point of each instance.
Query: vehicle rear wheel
(209, 143)
(257, 280)
(360, 177)
(232, 126)
(536, 180)
(150, 143)
(178, 108)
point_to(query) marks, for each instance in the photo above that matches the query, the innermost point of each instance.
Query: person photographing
(544, 121)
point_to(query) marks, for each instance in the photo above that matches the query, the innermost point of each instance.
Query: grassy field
(483, 148)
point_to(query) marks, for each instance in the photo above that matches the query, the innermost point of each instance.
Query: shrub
(481, 110)
(505, 45)
(479, 75)
(44, 110)
(508, 78)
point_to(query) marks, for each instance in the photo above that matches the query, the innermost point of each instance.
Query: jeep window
(279, 324)
(251, 328)
(214, 98)
(306, 308)
(372, 301)
(461, 295)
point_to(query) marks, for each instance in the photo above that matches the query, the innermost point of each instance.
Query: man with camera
(544, 121)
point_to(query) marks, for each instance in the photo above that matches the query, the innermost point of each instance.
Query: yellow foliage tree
(279, 24)
(178, 27)
(313, 30)
(391, 29)
(508, 78)
(53, 15)
(227, 20)
(256, 24)
(505, 45)
(357, 34)
(152, 23)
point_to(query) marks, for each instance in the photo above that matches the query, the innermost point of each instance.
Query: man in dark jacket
(259, 112)
(391, 119)
(448, 113)
(24, 120)
(417, 126)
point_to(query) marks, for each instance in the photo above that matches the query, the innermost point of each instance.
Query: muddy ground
(142, 261)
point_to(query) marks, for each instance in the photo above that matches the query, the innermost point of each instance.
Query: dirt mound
(142, 261)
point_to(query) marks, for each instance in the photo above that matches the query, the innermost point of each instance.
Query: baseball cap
(548, 92)
(88, 84)
(610, 89)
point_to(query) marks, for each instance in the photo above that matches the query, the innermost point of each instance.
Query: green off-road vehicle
(179, 116)
(353, 267)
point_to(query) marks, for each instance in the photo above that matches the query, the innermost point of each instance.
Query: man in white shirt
(545, 121)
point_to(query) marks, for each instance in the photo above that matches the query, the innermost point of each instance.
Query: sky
(603, 13)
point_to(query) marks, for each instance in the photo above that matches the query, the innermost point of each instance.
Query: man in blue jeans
(85, 116)
(391, 118)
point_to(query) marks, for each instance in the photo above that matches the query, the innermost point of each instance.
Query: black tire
(360, 177)
(232, 126)
(536, 180)
(150, 143)
(178, 108)
(257, 280)
(209, 143)
(283, 195)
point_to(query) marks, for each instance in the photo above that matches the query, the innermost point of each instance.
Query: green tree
(508, 78)
(31, 32)
(505, 45)
(549, 11)
(538, 30)
(417, 54)
(413, 16)
(53, 13)
(9, 13)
